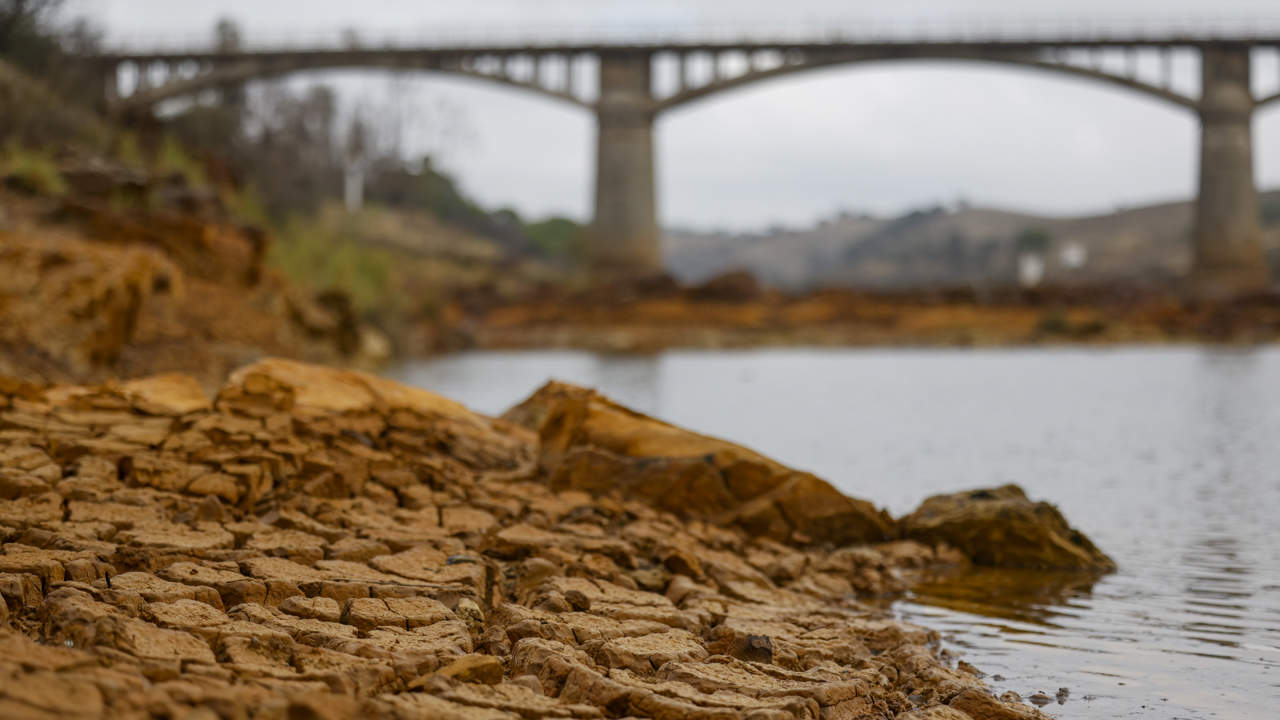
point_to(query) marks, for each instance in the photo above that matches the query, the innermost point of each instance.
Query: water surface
(1168, 458)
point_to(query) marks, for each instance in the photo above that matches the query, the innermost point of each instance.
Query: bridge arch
(247, 71)
(976, 135)
(1027, 60)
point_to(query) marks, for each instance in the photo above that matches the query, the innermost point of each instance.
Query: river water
(1169, 458)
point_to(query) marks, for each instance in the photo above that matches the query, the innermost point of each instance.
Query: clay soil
(320, 543)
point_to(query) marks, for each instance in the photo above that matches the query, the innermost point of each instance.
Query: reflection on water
(1024, 596)
(1168, 458)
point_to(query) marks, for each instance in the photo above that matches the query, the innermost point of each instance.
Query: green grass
(172, 158)
(245, 205)
(328, 256)
(34, 168)
(556, 237)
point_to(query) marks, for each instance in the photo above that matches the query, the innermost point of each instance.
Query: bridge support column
(624, 237)
(1227, 235)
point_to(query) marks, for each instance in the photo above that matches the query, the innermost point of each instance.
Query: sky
(881, 137)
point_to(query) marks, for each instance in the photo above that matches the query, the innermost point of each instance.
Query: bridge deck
(1269, 39)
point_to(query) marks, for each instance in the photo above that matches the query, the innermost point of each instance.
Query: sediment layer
(320, 543)
(738, 314)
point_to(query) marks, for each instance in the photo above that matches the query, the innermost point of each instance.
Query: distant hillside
(967, 246)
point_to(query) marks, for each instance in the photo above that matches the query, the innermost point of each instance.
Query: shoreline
(320, 538)
(670, 317)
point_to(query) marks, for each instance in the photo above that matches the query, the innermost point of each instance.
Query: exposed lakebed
(1169, 458)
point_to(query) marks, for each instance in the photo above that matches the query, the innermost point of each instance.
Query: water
(1168, 458)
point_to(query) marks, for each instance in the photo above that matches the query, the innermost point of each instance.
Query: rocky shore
(733, 311)
(320, 543)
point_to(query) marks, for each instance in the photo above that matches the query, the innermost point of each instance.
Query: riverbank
(734, 312)
(124, 274)
(120, 273)
(1160, 453)
(321, 541)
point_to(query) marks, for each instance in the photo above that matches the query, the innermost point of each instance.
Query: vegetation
(1271, 211)
(326, 255)
(557, 237)
(173, 159)
(1033, 240)
(33, 41)
(32, 169)
(278, 157)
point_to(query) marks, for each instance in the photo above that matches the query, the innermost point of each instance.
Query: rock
(171, 394)
(485, 669)
(587, 442)
(578, 600)
(980, 705)
(356, 549)
(529, 681)
(318, 608)
(757, 648)
(937, 712)
(647, 653)
(1000, 527)
(1039, 699)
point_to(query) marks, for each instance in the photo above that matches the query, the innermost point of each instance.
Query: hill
(972, 246)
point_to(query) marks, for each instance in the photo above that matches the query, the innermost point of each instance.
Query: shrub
(33, 170)
(557, 237)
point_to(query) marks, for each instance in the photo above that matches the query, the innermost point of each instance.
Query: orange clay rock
(590, 443)
(325, 544)
(1000, 527)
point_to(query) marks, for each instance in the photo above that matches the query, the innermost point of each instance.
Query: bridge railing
(847, 31)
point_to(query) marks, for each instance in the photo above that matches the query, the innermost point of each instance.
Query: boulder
(1000, 527)
(588, 442)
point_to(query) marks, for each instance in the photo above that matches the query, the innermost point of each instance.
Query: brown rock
(980, 705)
(184, 615)
(48, 695)
(296, 545)
(367, 613)
(577, 600)
(937, 712)
(154, 589)
(485, 669)
(356, 549)
(147, 641)
(1001, 527)
(419, 611)
(589, 443)
(646, 653)
(318, 608)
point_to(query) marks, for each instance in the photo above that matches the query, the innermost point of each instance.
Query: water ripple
(1167, 457)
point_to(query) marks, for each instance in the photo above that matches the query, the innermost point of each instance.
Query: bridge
(625, 94)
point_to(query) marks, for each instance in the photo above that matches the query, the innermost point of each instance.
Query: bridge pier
(1227, 234)
(624, 236)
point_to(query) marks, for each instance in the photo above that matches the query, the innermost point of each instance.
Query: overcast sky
(878, 137)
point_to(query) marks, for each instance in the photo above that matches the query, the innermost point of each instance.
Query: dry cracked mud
(319, 543)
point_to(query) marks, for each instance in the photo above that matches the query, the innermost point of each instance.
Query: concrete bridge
(625, 97)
